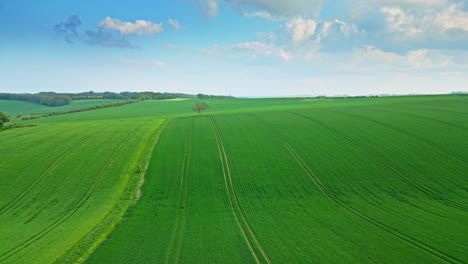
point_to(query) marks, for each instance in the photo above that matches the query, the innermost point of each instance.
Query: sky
(235, 47)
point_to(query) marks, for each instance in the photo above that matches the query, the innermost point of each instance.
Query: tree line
(60, 99)
(49, 99)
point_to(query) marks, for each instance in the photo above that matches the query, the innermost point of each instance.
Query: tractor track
(234, 202)
(422, 117)
(27, 148)
(181, 214)
(24, 150)
(85, 197)
(330, 194)
(42, 176)
(408, 134)
(428, 191)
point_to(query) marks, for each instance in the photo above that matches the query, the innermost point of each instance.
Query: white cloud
(326, 27)
(398, 21)
(283, 54)
(371, 57)
(304, 29)
(452, 17)
(301, 29)
(174, 23)
(347, 29)
(140, 27)
(417, 22)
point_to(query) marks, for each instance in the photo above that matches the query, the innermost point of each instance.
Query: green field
(14, 108)
(351, 180)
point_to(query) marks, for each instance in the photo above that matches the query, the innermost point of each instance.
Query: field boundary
(181, 214)
(234, 201)
(128, 198)
(89, 192)
(426, 190)
(330, 194)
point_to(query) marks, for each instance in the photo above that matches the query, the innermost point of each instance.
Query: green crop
(340, 180)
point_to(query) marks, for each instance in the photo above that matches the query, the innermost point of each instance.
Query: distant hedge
(49, 99)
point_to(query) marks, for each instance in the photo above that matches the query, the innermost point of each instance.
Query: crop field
(352, 180)
(14, 108)
(59, 181)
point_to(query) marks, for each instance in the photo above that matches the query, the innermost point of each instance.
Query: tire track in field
(426, 190)
(85, 197)
(234, 202)
(29, 147)
(422, 117)
(181, 215)
(42, 176)
(433, 144)
(331, 195)
(24, 150)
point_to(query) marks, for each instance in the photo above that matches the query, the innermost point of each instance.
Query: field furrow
(427, 190)
(78, 204)
(237, 211)
(332, 196)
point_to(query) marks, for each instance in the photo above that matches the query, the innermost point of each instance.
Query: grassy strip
(81, 251)
(16, 126)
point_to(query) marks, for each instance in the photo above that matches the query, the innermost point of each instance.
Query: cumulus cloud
(140, 27)
(420, 22)
(174, 23)
(285, 55)
(68, 29)
(301, 29)
(99, 37)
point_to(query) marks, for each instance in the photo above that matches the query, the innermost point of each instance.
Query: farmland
(15, 108)
(345, 180)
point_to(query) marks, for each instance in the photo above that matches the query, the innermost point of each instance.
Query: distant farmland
(345, 180)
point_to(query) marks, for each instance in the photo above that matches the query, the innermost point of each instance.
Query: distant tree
(3, 119)
(199, 107)
(203, 96)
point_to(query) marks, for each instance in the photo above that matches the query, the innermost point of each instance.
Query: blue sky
(235, 47)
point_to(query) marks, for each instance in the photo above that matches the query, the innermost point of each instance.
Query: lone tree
(3, 119)
(200, 107)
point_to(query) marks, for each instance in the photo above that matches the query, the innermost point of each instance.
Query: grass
(365, 180)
